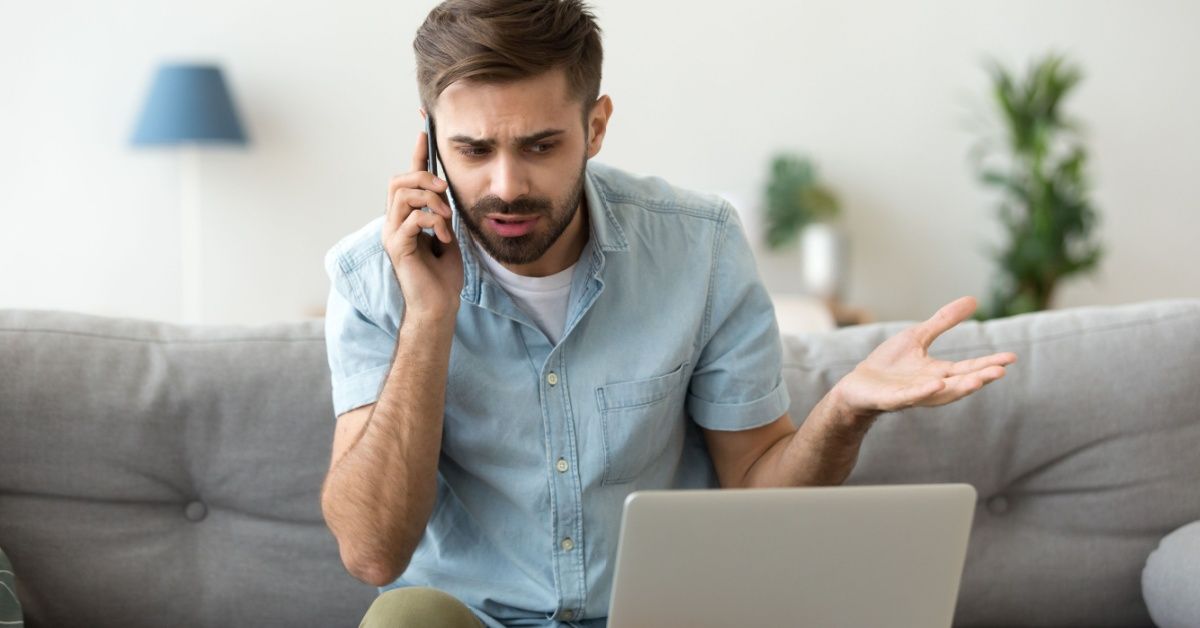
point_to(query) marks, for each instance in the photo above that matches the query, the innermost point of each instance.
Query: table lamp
(189, 105)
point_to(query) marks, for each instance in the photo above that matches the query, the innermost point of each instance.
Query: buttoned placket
(566, 497)
(559, 430)
(567, 500)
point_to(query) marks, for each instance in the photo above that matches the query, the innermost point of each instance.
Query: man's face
(514, 155)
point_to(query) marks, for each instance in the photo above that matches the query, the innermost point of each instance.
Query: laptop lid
(814, 556)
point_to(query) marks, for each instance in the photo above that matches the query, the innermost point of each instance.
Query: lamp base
(190, 233)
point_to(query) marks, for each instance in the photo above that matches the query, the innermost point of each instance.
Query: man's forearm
(379, 495)
(821, 452)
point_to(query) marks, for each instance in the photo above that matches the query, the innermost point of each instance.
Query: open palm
(900, 373)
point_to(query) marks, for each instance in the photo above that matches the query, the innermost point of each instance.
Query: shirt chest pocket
(642, 419)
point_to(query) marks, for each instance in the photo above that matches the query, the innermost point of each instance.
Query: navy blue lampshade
(188, 103)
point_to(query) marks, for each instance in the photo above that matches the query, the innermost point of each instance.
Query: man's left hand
(900, 374)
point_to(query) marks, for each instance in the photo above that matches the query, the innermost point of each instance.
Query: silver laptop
(865, 556)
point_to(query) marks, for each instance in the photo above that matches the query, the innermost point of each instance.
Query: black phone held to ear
(431, 143)
(431, 167)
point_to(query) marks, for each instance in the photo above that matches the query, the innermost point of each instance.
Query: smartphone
(432, 167)
(431, 153)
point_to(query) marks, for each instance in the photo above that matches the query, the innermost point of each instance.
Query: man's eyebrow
(520, 141)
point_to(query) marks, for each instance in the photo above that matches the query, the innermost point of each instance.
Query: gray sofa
(161, 475)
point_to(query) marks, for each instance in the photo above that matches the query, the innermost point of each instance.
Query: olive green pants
(417, 607)
(10, 606)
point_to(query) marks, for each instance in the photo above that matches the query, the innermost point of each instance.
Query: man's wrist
(842, 419)
(438, 323)
(828, 442)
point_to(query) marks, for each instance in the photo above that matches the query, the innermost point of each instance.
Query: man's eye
(539, 149)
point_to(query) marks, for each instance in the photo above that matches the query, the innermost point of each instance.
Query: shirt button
(567, 614)
(567, 544)
(552, 379)
(561, 466)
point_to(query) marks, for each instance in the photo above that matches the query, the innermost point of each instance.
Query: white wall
(879, 92)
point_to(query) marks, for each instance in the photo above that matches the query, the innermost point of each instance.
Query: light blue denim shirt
(668, 327)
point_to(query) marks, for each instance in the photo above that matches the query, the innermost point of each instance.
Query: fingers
(406, 200)
(946, 317)
(417, 180)
(404, 190)
(417, 221)
(977, 379)
(959, 386)
(969, 366)
(923, 389)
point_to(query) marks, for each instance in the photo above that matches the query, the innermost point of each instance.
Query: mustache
(519, 207)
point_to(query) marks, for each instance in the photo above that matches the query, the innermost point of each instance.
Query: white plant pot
(824, 256)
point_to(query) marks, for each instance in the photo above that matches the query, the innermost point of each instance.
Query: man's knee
(414, 607)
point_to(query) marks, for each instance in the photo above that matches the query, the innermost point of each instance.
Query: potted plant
(800, 209)
(1038, 166)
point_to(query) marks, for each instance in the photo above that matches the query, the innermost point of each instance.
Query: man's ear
(598, 124)
(421, 111)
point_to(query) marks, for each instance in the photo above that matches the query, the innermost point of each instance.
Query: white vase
(824, 255)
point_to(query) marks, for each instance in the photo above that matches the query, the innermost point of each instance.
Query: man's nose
(509, 180)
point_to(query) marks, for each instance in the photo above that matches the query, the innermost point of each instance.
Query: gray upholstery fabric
(153, 474)
(1083, 454)
(1171, 579)
(158, 475)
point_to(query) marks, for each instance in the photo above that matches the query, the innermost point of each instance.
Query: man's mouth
(511, 226)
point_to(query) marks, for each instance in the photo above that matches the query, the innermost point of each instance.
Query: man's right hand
(431, 284)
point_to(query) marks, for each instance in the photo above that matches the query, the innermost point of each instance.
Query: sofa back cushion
(153, 474)
(161, 475)
(1084, 454)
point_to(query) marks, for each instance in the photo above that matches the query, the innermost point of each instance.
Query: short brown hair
(506, 40)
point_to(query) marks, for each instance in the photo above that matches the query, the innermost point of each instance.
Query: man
(577, 334)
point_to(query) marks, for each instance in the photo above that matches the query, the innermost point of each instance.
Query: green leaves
(1044, 203)
(795, 198)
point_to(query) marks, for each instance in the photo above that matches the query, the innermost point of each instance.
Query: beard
(531, 246)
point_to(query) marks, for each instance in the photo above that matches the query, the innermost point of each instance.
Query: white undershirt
(544, 299)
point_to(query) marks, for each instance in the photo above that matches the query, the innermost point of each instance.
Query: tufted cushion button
(998, 505)
(195, 511)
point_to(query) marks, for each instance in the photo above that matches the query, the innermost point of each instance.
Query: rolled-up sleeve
(360, 352)
(738, 381)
